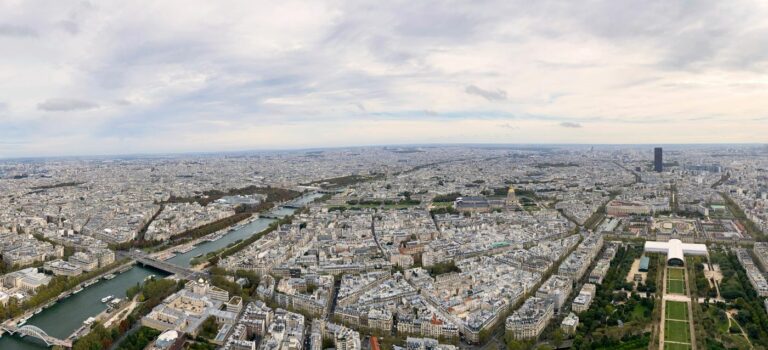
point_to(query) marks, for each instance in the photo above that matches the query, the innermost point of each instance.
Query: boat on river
(185, 248)
(217, 235)
(90, 283)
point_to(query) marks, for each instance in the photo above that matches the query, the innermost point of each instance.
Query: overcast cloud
(65, 105)
(489, 95)
(570, 125)
(80, 77)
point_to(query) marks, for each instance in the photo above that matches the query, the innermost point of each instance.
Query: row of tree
(406, 201)
(149, 294)
(611, 307)
(44, 294)
(274, 194)
(343, 181)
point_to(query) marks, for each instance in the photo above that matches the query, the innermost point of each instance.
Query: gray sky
(170, 76)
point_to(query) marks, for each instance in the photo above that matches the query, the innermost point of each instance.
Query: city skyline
(517, 246)
(85, 78)
(513, 146)
(383, 175)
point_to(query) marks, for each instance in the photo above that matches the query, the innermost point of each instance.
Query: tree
(140, 339)
(558, 337)
(484, 335)
(209, 328)
(516, 345)
(98, 338)
(577, 341)
(447, 197)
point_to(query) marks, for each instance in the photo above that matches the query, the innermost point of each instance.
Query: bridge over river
(32, 331)
(183, 272)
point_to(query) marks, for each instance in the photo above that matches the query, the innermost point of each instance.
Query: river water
(241, 233)
(244, 232)
(67, 315)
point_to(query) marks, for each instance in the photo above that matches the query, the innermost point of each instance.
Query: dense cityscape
(383, 175)
(400, 247)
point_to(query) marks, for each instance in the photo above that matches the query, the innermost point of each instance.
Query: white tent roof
(675, 248)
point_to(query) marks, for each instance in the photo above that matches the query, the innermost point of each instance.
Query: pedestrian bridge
(32, 331)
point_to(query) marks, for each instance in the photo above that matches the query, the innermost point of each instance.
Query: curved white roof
(169, 336)
(675, 248)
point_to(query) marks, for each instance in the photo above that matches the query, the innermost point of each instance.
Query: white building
(675, 250)
(570, 323)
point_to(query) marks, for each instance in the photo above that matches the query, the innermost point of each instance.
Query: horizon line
(430, 145)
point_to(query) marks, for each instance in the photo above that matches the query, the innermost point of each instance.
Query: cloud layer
(65, 105)
(17, 31)
(126, 77)
(570, 125)
(490, 95)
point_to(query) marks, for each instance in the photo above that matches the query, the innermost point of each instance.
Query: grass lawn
(677, 274)
(676, 331)
(675, 346)
(722, 325)
(638, 313)
(738, 340)
(677, 310)
(676, 286)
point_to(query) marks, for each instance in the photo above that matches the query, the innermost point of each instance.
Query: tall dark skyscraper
(658, 163)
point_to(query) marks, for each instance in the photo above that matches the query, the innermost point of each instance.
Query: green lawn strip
(676, 346)
(676, 287)
(677, 310)
(675, 273)
(676, 331)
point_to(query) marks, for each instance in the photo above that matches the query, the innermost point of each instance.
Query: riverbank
(242, 234)
(40, 302)
(77, 308)
(172, 251)
(61, 319)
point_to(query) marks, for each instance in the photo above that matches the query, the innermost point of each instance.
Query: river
(203, 248)
(241, 233)
(67, 315)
